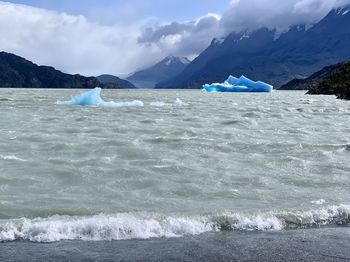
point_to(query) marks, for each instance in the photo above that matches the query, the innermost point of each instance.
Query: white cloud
(193, 37)
(75, 45)
(71, 43)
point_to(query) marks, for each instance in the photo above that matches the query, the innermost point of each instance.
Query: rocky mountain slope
(266, 56)
(166, 69)
(336, 82)
(110, 79)
(311, 81)
(17, 72)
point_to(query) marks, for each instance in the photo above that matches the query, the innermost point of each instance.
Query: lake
(185, 163)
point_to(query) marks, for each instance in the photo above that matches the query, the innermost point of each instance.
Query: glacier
(93, 98)
(242, 84)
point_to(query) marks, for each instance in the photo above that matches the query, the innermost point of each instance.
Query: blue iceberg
(93, 98)
(242, 84)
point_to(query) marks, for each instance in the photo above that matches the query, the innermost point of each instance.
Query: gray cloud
(190, 38)
(156, 34)
(75, 45)
(183, 39)
(274, 14)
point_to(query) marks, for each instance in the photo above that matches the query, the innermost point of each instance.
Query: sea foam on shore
(145, 226)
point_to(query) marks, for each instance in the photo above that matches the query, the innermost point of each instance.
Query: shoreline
(321, 244)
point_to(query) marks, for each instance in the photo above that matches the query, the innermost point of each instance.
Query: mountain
(16, 71)
(110, 79)
(311, 81)
(335, 82)
(264, 55)
(160, 72)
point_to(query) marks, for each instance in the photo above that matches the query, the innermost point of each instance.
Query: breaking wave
(12, 158)
(178, 102)
(144, 226)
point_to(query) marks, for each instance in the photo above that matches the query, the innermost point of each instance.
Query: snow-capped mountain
(160, 72)
(275, 58)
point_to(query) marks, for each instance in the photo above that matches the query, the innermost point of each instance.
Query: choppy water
(183, 163)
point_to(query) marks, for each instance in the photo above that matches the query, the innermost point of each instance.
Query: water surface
(213, 162)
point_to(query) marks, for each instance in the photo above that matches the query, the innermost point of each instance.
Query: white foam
(12, 158)
(178, 103)
(259, 223)
(135, 103)
(142, 226)
(318, 202)
(101, 227)
(158, 104)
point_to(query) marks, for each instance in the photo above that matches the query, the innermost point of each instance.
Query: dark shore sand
(326, 244)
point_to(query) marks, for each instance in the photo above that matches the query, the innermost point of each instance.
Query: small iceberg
(242, 84)
(93, 98)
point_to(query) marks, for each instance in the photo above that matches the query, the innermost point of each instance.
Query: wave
(12, 158)
(6, 99)
(178, 102)
(144, 226)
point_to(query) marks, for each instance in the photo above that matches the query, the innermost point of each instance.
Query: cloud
(183, 39)
(274, 14)
(72, 43)
(190, 38)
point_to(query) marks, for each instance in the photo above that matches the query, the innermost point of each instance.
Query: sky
(121, 11)
(93, 37)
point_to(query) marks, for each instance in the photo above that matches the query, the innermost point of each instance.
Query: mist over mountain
(166, 69)
(265, 55)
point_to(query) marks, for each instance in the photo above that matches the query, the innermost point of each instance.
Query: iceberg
(93, 98)
(242, 84)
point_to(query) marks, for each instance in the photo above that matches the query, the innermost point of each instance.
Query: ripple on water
(188, 159)
(230, 122)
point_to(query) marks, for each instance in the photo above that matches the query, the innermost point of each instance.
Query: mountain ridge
(18, 72)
